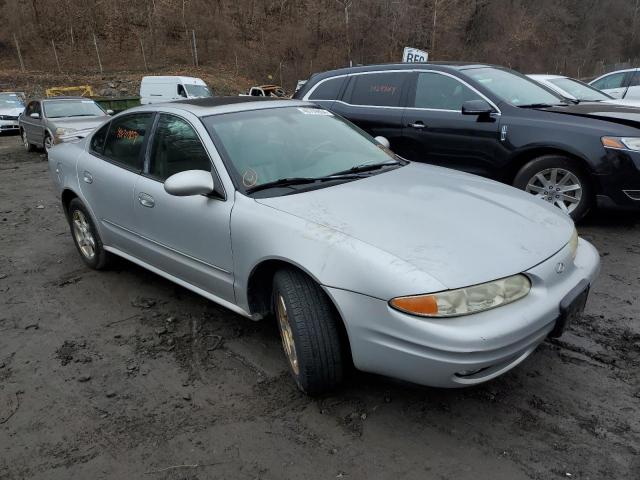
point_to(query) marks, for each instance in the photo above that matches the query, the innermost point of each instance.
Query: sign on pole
(413, 55)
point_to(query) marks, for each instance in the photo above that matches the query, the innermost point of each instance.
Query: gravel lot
(121, 374)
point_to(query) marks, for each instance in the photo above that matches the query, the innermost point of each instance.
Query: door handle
(87, 177)
(146, 200)
(417, 125)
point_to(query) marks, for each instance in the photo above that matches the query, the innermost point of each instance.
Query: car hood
(618, 113)
(11, 111)
(79, 123)
(459, 228)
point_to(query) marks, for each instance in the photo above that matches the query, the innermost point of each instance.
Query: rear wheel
(558, 181)
(27, 146)
(86, 237)
(309, 331)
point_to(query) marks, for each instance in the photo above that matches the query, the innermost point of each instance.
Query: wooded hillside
(289, 39)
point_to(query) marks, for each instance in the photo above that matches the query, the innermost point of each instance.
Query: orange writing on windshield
(127, 134)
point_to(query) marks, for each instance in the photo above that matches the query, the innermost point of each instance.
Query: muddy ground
(121, 374)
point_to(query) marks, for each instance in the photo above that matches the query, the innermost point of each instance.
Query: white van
(158, 89)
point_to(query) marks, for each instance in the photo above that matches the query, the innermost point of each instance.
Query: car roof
(64, 97)
(203, 107)
(544, 76)
(444, 66)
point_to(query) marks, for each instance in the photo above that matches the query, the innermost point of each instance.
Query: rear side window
(176, 148)
(441, 92)
(97, 141)
(328, 89)
(614, 80)
(377, 89)
(635, 80)
(125, 139)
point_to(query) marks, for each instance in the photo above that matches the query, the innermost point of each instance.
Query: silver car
(280, 208)
(48, 121)
(11, 106)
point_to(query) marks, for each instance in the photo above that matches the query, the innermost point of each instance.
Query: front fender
(334, 259)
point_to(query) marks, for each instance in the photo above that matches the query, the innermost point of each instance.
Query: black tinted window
(97, 141)
(328, 90)
(442, 92)
(378, 89)
(125, 139)
(176, 148)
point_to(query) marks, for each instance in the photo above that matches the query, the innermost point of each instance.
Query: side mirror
(476, 107)
(35, 115)
(110, 112)
(382, 141)
(190, 182)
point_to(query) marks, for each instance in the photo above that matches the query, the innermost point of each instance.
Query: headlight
(573, 243)
(624, 143)
(64, 131)
(465, 301)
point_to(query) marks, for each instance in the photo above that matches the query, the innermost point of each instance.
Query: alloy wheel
(25, 141)
(287, 335)
(83, 235)
(557, 186)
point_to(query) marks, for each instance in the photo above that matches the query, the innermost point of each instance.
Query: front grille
(633, 194)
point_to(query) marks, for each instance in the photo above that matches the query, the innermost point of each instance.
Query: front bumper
(9, 125)
(467, 350)
(621, 187)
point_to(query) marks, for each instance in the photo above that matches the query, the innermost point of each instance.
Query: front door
(187, 237)
(33, 127)
(436, 131)
(108, 172)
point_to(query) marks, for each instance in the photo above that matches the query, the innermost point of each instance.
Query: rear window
(383, 89)
(328, 89)
(125, 139)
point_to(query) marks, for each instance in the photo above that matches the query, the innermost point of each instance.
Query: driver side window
(175, 148)
(441, 92)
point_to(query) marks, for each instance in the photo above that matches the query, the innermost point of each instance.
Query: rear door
(107, 175)
(375, 102)
(187, 237)
(435, 131)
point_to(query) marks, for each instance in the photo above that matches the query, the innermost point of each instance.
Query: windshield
(579, 90)
(71, 108)
(262, 146)
(512, 87)
(198, 90)
(10, 100)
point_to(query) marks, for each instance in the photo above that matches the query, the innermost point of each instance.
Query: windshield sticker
(315, 111)
(249, 178)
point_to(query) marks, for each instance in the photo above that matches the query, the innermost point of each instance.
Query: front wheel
(27, 146)
(48, 142)
(309, 331)
(558, 181)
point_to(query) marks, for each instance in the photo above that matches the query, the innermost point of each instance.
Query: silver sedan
(48, 121)
(281, 209)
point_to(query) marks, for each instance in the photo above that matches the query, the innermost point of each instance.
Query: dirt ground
(122, 374)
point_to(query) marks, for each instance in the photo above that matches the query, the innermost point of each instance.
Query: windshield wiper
(366, 167)
(292, 181)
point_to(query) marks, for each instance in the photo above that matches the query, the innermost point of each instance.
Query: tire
(86, 238)
(317, 362)
(571, 191)
(27, 146)
(47, 143)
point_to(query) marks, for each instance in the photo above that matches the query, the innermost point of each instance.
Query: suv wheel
(557, 180)
(86, 237)
(309, 331)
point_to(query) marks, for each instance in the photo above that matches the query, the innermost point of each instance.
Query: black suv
(494, 122)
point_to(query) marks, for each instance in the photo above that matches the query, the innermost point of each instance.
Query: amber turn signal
(420, 304)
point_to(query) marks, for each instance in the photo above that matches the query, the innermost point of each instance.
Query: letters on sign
(413, 55)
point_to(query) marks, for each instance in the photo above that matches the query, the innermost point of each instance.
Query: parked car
(576, 90)
(493, 122)
(278, 207)
(11, 106)
(620, 84)
(48, 121)
(156, 89)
